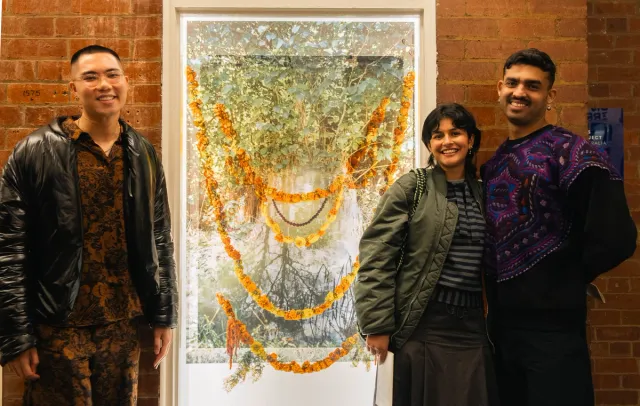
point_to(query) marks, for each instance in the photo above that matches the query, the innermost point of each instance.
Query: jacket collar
(440, 182)
(56, 126)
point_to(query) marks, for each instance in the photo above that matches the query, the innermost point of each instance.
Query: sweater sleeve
(600, 207)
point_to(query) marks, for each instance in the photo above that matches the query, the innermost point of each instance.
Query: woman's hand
(378, 345)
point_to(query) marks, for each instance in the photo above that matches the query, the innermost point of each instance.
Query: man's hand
(25, 364)
(161, 341)
(378, 345)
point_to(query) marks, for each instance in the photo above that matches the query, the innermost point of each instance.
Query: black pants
(543, 368)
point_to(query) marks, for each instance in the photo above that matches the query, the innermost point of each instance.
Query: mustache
(520, 99)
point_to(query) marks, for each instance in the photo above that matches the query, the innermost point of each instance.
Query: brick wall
(614, 81)
(38, 38)
(474, 37)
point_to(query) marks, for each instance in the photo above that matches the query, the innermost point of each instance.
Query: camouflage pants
(86, 366)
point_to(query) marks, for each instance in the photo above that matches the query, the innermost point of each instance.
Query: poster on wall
(606, 131)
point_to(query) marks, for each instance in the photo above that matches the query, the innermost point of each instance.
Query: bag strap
(421, 185)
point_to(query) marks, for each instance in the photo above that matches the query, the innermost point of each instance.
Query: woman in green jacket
(419, 291)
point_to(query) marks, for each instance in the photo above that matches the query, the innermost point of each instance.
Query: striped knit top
(460, 282)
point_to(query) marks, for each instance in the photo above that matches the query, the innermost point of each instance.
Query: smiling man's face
(524, 93)
(100, 84)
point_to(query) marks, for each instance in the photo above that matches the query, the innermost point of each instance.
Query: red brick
(143, 116)
(600, 41)
(618, 74)
(526, 27)
(38, 26)
(146, 94)
(67, 110)
(482, 93)
(450, 93)
(614, 25)
(496, 8)
(571, 27)
(30, 49)
(450, 8)
(17, 70)
(630, 333)
(621, 301)
(147, 49)
(12, 26)
(13, 135)
(3, 93)
(620, 349)
(610, 57)
(573, 115)
(492, 49)
(634, 24)
(54, 70)
(613, 7)
(100, 26)
(101, 7)
(140, 27)
(39, 116)
(11, 116)
(630, 317)
(466, 27)
(572, 94)
(563, 50)
(493, 138)
(68, 27)
(604, 318)
(35, 93)
(606, 381)
(40, 7)
(596, 25)
(121, 46)
(147, 7)
(616, 397)
(154, 135)
(572, 72)
(616, 365)
(144, 72)
(485, 116)
(621, 90)
(631, 381)
(5, 6)
(450, 49)
(632, 122)
(628, 41)
(598, 349)
(565, 7)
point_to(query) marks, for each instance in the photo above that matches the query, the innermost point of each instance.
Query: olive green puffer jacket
(390, 302)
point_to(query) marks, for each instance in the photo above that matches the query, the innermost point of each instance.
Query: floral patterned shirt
(107, 293)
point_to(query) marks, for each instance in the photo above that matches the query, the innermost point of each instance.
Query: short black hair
(533, 57)
(93, 49)
(462, 119)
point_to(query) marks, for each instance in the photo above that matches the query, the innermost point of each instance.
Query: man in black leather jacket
(85, 248)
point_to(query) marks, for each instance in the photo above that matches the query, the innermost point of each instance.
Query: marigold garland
(237, 334)
(221, 226)
(311, 238)
(400, 130)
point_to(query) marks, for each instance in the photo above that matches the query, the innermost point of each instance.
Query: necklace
(106, 151)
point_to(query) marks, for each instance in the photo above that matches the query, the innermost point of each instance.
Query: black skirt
(447, 361)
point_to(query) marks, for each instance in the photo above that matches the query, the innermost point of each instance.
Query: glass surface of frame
(295, 128)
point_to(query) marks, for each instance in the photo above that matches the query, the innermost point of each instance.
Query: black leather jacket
(41, 237)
